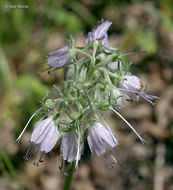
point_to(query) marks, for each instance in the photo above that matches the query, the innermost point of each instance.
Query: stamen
(36, 163)
(19, 137)
(29, 152)
(110, 163)
(62, 166)
(147, 97)
(66, 172)
(111, 156)
(142, 140)
(26, 157)
(40, 155)
(116, 155)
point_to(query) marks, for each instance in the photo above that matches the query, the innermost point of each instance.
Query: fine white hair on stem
(142, 140)
(133, 53)
(78, 146)
(19, 137)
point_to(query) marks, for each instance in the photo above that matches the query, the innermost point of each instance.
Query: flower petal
(41, 130)
(50, 140)
(59, 58)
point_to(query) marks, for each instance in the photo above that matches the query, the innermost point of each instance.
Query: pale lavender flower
(100, 33)
(132, 87)
(119, 98)
(43, 138)
(102, 141)
(114, 65)
(131, 84)
(70, 150)
(59, 58)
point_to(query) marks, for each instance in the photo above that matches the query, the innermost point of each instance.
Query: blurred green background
(27, 35)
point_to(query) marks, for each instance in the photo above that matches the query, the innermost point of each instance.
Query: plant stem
(92, 62)
(69, 177)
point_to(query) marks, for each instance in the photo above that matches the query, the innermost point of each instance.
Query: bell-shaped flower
(71, 147)
(101, 141)
(119, 98)
(100, 33)
(59, 58)
(131, 85)
(43, 138)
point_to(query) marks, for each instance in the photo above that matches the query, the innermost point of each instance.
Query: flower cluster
(96, 82)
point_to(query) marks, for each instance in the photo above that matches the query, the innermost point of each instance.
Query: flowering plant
(96, 82)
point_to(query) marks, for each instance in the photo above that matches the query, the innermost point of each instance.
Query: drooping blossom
(43, 138)
(100, 33)
(132, 87)
(102, 141)
(70, 150)
(131, 84)
(59, 58)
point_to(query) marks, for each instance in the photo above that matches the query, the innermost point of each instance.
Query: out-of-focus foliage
(26, 38)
